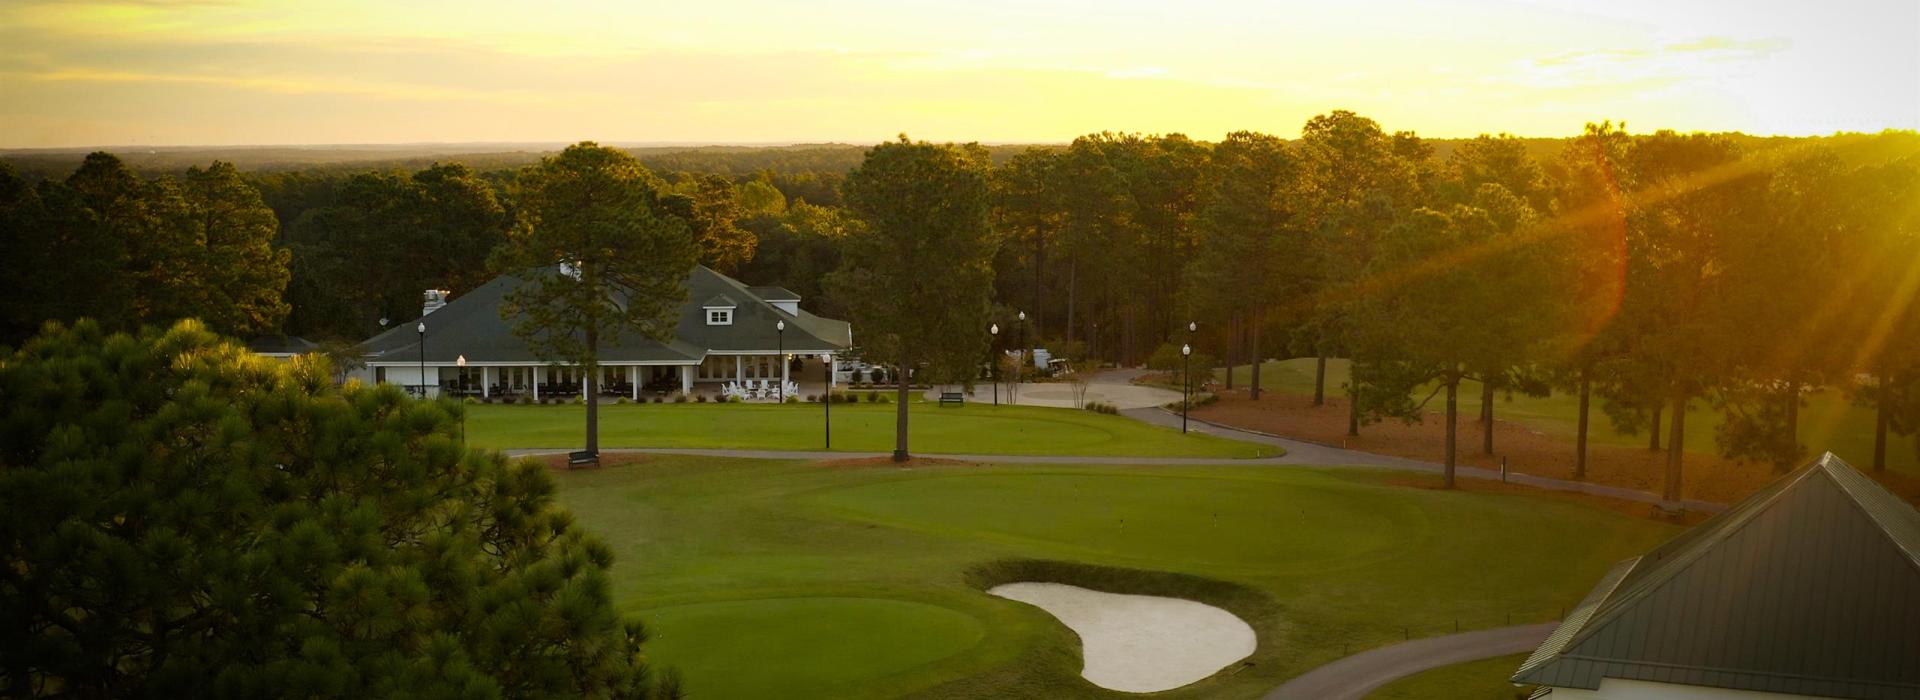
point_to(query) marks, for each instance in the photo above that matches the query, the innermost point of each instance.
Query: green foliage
(916, 278)
(1167, 358)
(185, 519)
(603, 256)
(107, 245)
(385, 238)
(710, 206)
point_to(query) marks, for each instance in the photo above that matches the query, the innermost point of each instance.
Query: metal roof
(1810, 586)
(471, 326)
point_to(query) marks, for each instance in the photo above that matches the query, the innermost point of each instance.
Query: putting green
(825, 647)
(1162, 522)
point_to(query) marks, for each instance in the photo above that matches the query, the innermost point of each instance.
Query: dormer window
(720, 310)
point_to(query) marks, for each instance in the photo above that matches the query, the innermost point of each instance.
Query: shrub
(680, 397)
(811, 398)
(1166, 358)
(879, 397)
(702, 398)
(620, 401)
(524, 400)
(793, 399)
(733, 399)
(659, 399)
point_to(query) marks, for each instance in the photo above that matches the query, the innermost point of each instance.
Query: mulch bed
(1706, 477)
(886, 461)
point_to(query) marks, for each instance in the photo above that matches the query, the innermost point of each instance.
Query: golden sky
(219, 72)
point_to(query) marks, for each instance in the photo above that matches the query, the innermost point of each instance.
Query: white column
(830, 373)
(686, 379)
(583, 382)
(536, 382)
(633, 380)
(783, 370)
(486, 382)
(740, 369)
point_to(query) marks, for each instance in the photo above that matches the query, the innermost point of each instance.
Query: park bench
(952, 397)
(580, 457)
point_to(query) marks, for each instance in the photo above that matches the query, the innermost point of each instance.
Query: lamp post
(780, 340)
(461, 362)
(1019, 368)
(421, 328)
(1191, 327)
(994, 330)
(826, 401)
(1186, 383)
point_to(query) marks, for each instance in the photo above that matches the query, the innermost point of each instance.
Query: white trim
(714, 318)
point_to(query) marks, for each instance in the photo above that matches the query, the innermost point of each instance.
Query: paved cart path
(1353, 677)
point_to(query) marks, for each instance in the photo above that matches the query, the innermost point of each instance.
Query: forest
(1644, 271)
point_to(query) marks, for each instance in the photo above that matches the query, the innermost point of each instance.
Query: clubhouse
(728, 335)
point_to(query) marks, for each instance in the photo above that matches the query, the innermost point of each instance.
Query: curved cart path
(1353, 677)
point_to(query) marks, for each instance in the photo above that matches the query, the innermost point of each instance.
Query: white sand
(1140, 643)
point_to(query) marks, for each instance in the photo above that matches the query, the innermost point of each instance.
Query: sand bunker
(1140, 643)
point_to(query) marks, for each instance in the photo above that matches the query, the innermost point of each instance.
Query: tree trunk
(1320, 381)
(1039, 257)
(1785, 461)
(1653, 430)
(1353, 409)
(1253, 331)
(900, 414)
(1880, 420)
(593, 389)
(1453, 421)
(1486, 417)
(1580, 436)
(1676, 447)
(1233, 321)
(1073, 290)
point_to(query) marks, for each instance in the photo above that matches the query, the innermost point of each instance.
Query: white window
(719, 317)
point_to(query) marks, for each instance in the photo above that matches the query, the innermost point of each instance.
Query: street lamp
(1186, 383)
(1194, 326)
(780, 336)
(1017, 369)
(422, 330)
(994, 330)
(461, 362)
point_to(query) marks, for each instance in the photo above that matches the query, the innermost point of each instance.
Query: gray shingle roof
(1810, 586)
(470, 325)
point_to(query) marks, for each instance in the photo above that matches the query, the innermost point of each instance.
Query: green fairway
(788, 579)
(1485, 679)
(970, 429)
(1828, 422)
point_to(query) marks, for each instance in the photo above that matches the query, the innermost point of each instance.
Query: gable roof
(1810, 586)
(471, 325)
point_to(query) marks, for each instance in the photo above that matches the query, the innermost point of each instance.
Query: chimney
(433, 300)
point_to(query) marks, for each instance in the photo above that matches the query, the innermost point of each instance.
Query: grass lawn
(969, 429)
(792, 579)
(1485, 679)
(1828, 421)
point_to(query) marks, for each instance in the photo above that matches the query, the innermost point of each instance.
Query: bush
(732, 399)
(793, 399)
(1102, 407)
(368, 558)
(659, 399)
(812, 398)
(702, 398)
(524, 400)
(1166, 358)
(620, 401)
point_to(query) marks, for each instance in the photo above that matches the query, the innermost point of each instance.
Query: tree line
(1648, 271)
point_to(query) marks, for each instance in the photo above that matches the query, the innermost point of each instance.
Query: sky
(239, 72)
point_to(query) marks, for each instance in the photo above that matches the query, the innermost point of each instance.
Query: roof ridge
(1861, 488)
(1689, 553)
